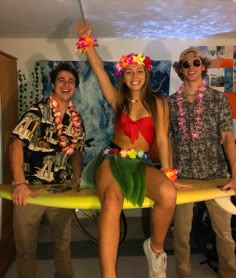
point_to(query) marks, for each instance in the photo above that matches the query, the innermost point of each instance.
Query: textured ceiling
(186, 19)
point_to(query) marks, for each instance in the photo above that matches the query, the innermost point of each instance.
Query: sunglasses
(195, 63)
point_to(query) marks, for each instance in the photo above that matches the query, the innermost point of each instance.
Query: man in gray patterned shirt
(201, 132)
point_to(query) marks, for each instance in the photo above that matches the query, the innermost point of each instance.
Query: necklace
(68, 140)
(196, 131)
(134, 100)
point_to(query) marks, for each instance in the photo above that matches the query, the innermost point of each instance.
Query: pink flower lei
(196, 132)
(67, 144)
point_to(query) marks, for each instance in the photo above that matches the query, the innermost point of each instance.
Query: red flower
(115, 151)
(147, 62)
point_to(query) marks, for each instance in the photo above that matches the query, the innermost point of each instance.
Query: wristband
(17, 184)
(85, 42)
(171, 174)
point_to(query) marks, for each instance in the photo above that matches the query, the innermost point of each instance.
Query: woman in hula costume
(124, 169)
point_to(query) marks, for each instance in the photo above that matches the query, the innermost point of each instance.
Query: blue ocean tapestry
(89, 101)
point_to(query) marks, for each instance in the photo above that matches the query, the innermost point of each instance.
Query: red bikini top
(132, 128)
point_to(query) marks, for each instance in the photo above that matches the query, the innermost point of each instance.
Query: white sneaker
(157, 264)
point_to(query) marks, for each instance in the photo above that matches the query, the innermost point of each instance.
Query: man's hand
(20, 194)
(231, 184)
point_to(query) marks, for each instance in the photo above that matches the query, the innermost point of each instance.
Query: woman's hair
(178, 67)
(63, 66)
(123, 98)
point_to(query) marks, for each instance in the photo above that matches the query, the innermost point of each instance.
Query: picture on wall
(222, 72)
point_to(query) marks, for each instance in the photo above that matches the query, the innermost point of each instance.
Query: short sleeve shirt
(44, 162)
(203, 158)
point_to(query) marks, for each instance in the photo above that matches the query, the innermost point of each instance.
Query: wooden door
(8, 118)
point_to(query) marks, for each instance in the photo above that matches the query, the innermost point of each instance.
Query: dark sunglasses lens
(186, 64)
(196, 63)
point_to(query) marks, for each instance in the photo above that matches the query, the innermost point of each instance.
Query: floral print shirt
(203, 158)
(44, 162)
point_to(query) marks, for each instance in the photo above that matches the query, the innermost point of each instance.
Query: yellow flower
(132, 154)
(139, 58)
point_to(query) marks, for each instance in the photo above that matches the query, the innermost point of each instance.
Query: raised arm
(83, 29)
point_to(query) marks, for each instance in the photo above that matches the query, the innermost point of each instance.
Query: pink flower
(107, 150)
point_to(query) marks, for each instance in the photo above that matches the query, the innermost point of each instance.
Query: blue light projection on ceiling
(165, 19)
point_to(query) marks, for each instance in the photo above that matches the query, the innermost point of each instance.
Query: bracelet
(85, 42)
(17, 184)
(171, 174)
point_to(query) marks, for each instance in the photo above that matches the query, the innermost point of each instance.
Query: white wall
(30, 50)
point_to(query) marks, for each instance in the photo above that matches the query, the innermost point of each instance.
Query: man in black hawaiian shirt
(46, 148)
(200, 129)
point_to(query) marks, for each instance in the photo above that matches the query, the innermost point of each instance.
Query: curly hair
(64, 66)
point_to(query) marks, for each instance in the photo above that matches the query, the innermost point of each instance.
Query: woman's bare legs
(158, 188)
(111, 199)
(163, 193)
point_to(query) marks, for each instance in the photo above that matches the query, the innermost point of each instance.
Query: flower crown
(132, 58)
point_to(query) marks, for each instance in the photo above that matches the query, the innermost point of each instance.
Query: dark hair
(178, 67)
(63, 66)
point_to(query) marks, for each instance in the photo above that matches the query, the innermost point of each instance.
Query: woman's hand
(83, 28)
(182, 186)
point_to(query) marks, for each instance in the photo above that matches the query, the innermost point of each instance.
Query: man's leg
(60, 225)
(26, 221)
(182, 228)
(225, 244)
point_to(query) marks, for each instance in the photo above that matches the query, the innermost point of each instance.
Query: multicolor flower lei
(124, 153)
(85, 42)
(195, 134)
(132, 58)
(68, 145)
(171, 174)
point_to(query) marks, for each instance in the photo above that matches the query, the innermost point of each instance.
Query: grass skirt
(129, 172)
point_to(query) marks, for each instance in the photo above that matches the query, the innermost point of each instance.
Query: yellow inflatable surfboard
(87, 199)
